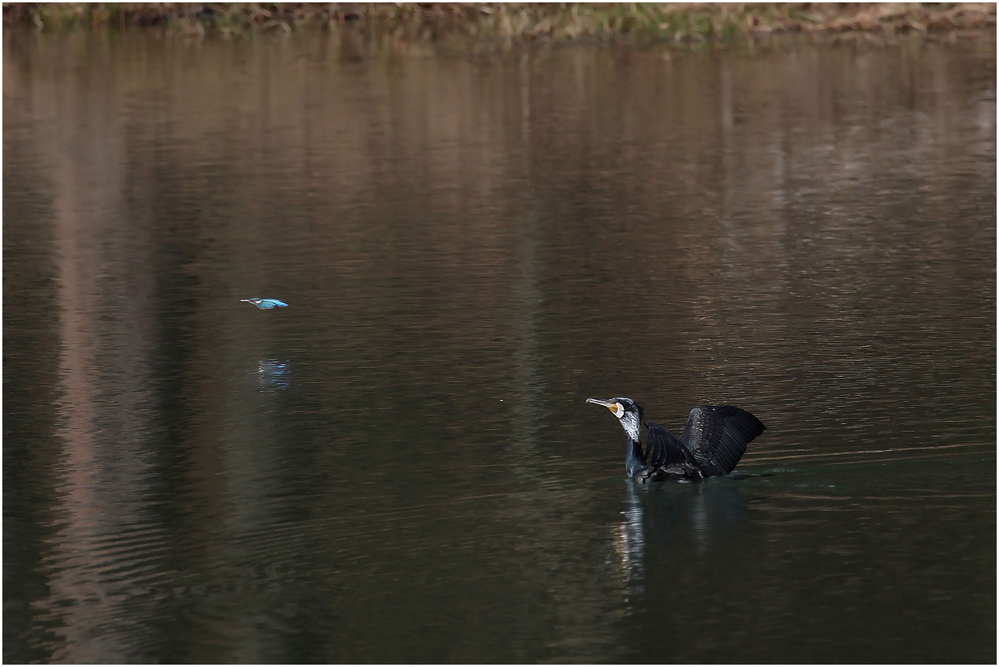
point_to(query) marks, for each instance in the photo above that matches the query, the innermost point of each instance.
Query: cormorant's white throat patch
(630, 423)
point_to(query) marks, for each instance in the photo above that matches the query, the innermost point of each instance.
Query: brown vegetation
(676, 22)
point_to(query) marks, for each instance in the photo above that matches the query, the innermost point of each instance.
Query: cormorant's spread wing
(664, 448)
(717, 436)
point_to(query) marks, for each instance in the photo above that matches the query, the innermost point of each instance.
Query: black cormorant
(712, 443)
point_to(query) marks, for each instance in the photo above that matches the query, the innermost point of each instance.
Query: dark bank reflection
(400, 466)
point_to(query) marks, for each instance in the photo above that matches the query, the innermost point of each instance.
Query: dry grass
(521, 22)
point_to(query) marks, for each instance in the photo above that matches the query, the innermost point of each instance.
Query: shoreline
(523, 23)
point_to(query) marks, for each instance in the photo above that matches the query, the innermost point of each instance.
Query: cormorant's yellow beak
(613, 406)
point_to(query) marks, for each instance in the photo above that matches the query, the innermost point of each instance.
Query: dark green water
(400, 466)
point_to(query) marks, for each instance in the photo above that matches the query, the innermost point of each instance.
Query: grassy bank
(671, 22)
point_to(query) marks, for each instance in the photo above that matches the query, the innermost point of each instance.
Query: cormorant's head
(626, 410)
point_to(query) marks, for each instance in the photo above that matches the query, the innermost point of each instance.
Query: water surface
(400, 466)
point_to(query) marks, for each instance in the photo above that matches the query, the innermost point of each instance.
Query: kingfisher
(266, 304)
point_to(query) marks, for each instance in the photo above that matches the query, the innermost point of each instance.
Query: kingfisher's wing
(664, 448)
(272, 303)
(717, 436)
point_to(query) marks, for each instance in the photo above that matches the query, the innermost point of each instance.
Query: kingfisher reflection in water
(274, 374)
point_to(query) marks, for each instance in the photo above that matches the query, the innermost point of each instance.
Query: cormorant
(712, 443)
(266, 304)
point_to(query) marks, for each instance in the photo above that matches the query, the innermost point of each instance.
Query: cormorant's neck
(634, 459)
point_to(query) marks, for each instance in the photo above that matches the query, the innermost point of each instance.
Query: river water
(400, 466)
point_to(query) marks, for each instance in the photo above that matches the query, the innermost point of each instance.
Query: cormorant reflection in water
(665, 517)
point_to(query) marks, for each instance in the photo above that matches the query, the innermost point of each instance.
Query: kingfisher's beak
(610, 405)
